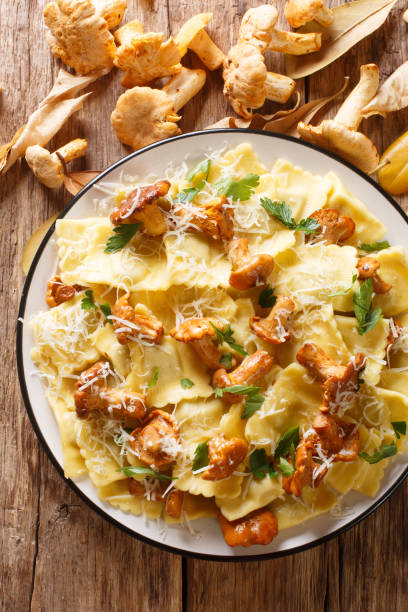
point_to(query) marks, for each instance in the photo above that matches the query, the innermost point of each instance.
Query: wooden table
(58, 555)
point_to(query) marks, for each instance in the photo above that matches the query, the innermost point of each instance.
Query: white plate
(208, 542)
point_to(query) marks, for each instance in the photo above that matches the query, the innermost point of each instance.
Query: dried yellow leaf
(34, 242)
(393, 175)
(49, 117)
(353, 21)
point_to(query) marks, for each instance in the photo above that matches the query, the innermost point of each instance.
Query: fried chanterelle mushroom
(144, 115)
(156, 441)
(49, 167)
(299, 12)
(129, 325)
(333, 227)
(79, 35)
(200, 334)
(258, 28)
(173, 499)
(247, 83)
(367, 268)
(58, 292)
(224, 456)
(340, 383)
(250, 372)
(140, 206)
(273, 328)
(145, 57)
(93, 393)
(248, 270)
(213, 219)
(340, 134)
(257, 528)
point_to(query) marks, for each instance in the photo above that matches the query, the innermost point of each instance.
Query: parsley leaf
(133, 470)
(227, 335)
(283, 213)
(87, 302)
(285, 467)
(284, 445)
(107, 311)
(122, 235)
(254, 399)
(226, 360)
(360, 379)
(238, 190)
(153, 381)
(345, 291)
(201, 458)
(374, 246)
(202, 169)
(266, 299)
(384, 452)
(260, 466)
(400, 428)
(187, 195)
(366, 317)
(186, 383)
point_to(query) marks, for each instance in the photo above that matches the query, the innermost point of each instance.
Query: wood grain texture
(57, 554)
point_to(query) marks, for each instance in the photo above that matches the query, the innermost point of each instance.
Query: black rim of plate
(28, 406)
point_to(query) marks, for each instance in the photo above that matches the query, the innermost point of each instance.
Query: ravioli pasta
(141, 341)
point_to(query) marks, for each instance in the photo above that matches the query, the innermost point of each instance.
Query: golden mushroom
(192, 35)
(299, 12)
(49, 167)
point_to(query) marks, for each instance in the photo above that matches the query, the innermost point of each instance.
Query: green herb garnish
(187, 195)
(345, 291)
(201, 458)
(238, 190)
(154, 378)
(374, 246)
(260, 466)
(385, 451)
(253, 399)
(201, 171)
(226, 360)
(266, 299)
(134, 470)
(289, 438)
(107, 311)
(285, 467)
(186, 383)
(283, 213)
(122, 235)
(366, 317)
(227, 335)
(400, 428)
(88, 302)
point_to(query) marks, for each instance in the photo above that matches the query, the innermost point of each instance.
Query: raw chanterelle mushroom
(79, 35)
(258, 28)
(247, 83)
(141, 206)
(192, 35)
(367, 268)
(49, 167)
(145, 57)
(144, 115)
(273, 329)
(111, 10)
(299, 12)
(248, 270)
(340, 134)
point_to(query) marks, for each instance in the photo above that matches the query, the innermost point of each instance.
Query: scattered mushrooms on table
(93, 393)
(129, 325)
(141, 206)
(145, 57)
(299, 12)
(248, 270)
(367, 268)
(273, 328)
(49, 167)
(192, 35)
(340, 134)
(111, 10)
